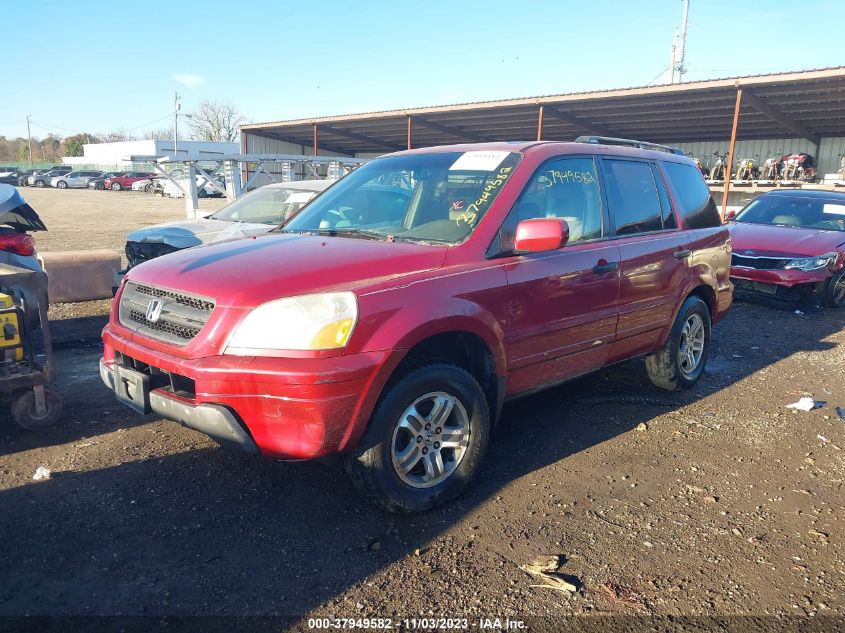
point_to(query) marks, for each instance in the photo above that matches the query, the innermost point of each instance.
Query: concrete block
(80, 275)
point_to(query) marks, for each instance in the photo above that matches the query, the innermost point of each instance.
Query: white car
(74, 179)
(143, 185)
(206, 191)
(252, 214)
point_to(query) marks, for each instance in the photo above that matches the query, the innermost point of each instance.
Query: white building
(117, 154)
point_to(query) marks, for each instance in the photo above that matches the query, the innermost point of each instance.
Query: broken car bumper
(288, 408)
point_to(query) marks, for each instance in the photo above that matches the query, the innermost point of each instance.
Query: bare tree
(214, 121)
(160, 134)
(115, 136)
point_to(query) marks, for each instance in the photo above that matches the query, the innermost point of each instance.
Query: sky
(89, 66)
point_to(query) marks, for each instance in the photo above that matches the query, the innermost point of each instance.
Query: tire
(116, 186)
(99, 186)
(61, 184)
(23, 410)
(374, 465)
(202, 193)
(148, 188)
(39, 184)
(666, 369)
(834, 290)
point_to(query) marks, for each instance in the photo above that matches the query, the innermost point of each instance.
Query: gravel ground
(714, 502)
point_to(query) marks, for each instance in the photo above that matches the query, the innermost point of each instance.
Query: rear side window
(694, 199)
(632, 197)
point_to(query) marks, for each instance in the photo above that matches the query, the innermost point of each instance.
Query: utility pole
(29, 139)
(176, 107)
(679, 44)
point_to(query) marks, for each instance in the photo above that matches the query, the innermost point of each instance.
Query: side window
(693, 194)
(632, 197)
(669, 221)
(564, 188)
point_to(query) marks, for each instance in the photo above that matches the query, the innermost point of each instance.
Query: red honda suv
(394, 315)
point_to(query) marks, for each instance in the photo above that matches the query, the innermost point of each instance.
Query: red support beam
(540, 124)
(730, 160)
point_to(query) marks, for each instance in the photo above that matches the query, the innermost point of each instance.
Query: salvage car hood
(769, 239)
(246, 273)
(196, 232)
(15, 212)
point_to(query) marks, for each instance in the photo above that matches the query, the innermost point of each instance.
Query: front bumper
(291, 408)
(785, 285)
(213, 420)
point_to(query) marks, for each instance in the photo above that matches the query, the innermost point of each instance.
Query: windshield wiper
(361, 233)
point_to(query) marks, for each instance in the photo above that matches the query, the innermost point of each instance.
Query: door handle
(601, 269)
(683, 254)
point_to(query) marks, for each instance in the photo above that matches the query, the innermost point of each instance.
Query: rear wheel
(834, 290)
(680, 362)
(115, 186)
(425, 442)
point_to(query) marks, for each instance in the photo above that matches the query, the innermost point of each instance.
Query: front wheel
(61, 184)
(39, 184)
(115, 186)
(680, 362)
(425, 442)
(148, 188)
(834, 290)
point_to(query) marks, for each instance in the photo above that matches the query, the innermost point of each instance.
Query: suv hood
(246, 273)
(770, 239)
(15, 212)
(196, 232)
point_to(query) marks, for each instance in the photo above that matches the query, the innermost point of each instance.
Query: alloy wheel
(838, 293)
(430, 439)
(691, 348)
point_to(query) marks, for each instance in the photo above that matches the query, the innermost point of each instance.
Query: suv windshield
(805, 212)
(438, 197)
(267, 205)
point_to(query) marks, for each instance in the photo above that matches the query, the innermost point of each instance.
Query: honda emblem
(154, 310)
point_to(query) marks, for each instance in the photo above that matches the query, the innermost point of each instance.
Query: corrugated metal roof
(698, 110)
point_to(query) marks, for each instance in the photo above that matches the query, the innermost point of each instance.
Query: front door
(561, 312)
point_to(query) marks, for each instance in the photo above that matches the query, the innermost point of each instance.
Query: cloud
(189, 80)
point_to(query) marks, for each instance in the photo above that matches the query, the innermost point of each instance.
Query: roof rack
(627, 142)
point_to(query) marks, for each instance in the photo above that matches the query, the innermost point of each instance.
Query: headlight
(812, 263)
(309, 322)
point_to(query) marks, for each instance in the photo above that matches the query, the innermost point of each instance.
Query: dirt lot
(81, 219)
(714, 502)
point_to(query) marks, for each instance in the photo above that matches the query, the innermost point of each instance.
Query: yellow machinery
(10, 341)
(26, 350)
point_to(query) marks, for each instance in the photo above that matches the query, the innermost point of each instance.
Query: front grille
(760, 263)
(181, 319)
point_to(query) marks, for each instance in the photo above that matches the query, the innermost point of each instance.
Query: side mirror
(538, 235)
(730, 215)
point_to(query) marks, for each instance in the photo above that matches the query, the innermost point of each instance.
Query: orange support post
(540, 124)
(730, 158)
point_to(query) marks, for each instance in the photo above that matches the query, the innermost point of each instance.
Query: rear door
(561, 313)
(653, 253)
